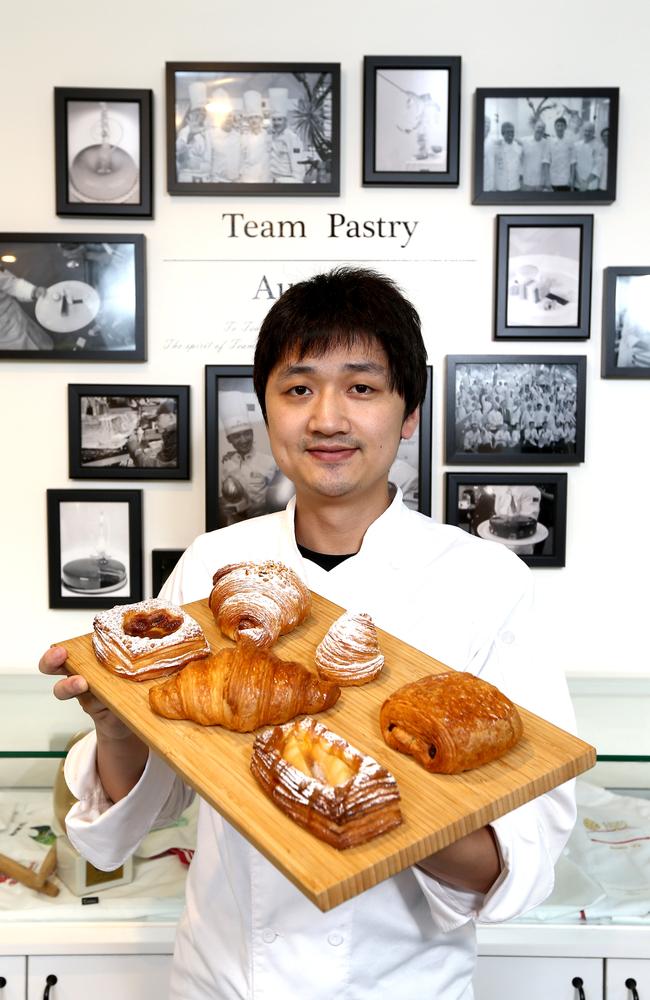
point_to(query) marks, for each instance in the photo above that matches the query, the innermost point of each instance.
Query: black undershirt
(321, 559)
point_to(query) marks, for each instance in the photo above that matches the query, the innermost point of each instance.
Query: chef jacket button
(335, 939)
(508, 638)
(268, 936)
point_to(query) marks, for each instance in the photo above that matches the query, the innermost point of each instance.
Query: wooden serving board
(436, 809)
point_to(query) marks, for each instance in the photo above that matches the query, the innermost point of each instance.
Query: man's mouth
(331, 453)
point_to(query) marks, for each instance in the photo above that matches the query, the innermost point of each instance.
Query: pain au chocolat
(339, 794)
(260, 601)
(349, 652)
(450, 722)
(148, 639)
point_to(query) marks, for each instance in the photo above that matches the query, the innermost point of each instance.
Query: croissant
(242, 688)
(450, 722)
(349, 653)
(147, 639)
(327, 786)
(259, 600)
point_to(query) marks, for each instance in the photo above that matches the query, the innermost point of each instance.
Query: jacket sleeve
(530, 838)
(108, 833)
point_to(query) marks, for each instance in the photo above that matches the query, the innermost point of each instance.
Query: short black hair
(338, 309)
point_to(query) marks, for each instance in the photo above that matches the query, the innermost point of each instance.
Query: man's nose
(328, 413)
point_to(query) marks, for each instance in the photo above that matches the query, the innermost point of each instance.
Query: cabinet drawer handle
(49, 983)
(630, 984)
(578, 983)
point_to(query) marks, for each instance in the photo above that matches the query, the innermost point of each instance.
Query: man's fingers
(52, 662)
(70, 687)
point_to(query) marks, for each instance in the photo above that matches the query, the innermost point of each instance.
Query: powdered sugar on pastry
(147, 639)
(349, 653)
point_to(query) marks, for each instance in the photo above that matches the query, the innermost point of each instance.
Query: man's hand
(73, 686)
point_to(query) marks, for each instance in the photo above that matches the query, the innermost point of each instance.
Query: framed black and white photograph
(526, 512)
(411, 120)
(94, 547)
(543, 277)
(242, 477)
(72, 297)
(515, 409)
(129, 431)
(626, 322)
(253, 128)
(163, 561)
(545, 146)
(103, 152)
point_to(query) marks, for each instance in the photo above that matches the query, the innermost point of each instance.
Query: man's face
(334, 425)
(166, 421)
(560, 128)
(254, 123)
(539, 131)
(589, 131)
(242, 441)
(278, 124)
(508, 132)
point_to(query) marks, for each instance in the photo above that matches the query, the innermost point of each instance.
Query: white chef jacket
(247, 932)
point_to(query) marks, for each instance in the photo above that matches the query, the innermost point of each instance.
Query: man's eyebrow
(361, 367)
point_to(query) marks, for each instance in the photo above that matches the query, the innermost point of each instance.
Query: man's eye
(362, 389)
(298, 390)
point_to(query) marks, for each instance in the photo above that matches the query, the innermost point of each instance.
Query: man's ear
(410, 424)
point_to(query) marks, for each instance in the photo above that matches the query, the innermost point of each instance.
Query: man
(603, 157)
(255, 167)
(560, 159)
(508, 161)
(489, 144)
(226, 151)
(245, 468)
(587, 159)
(18, 331)
(285, 148)
(193, 157)
(340, 373)
(533, 157)
(166, 456)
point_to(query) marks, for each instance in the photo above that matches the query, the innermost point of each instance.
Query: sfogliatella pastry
(242, 688)
(261, 601)
(349, 653)
(327, 786)
(148, 639)
(450, 722)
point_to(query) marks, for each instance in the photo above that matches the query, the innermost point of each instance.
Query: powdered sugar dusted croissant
(261, 601)
(349, 652)
(242, 688)
(340, 795)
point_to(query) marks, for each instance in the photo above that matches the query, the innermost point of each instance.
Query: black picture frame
(242, 411)
(626, 323)
(501, 177)
(102, 418)
(163, 562)
(72, 297)
(411, 136)
(94, 548)
(543, 277)
(473, 383)
(103, 152)
(471, 499)
(203, 158)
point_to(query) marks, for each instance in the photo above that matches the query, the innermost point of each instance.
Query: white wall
(595, 610)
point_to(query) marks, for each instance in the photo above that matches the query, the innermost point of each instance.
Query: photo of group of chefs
(255, 128)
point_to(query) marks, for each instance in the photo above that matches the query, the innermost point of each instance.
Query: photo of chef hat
(278, 100)
(252, 102)
(233, 413)
(198, 95)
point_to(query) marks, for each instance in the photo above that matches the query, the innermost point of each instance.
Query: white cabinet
(102, 977)
(536, 978)
(13, 969)
(633, 971)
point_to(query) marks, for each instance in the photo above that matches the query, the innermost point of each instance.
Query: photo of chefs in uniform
(244, 128)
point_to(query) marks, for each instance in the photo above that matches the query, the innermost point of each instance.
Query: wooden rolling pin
(33, 880)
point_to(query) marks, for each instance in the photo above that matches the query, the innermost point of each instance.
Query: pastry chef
(340, 373)
(285, 148)
(243, 464)
(255, 167)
